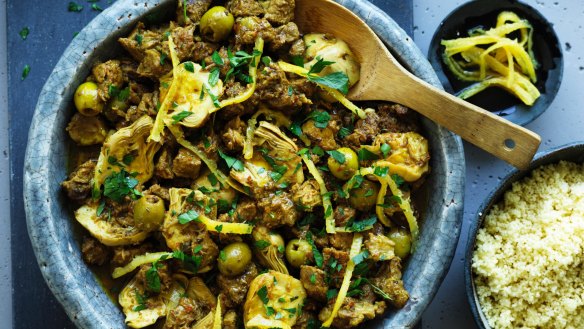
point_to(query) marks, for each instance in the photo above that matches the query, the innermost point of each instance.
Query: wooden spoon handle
(501, 138)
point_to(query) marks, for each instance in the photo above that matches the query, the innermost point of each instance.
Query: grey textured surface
(560, 124)
(49, 222)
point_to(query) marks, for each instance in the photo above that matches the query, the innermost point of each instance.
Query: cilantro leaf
(119, 185)
(214, 76)
(295, 128)
(263, 294)
(152, 278)
(319, 65)
(320, 118)
(399, 181)
(380, 171)
(345, 131)
(189, 66)
(318, 259)
(362, 225)
(385, 149)
(217, 59)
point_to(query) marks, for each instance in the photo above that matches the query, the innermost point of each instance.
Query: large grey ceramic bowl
(51, 223)
(573, 152)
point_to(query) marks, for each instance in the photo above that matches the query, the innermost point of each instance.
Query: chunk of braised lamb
(194, 11)
(284, 36)
(278, 210)
(209, 144)
(231, 320)
(124, 254)
(184, 41)
(396, 118)
(323, 137)
(307, 195)
(244, 8)
(234, 289)
(108, 74)
(297, 48)
(247, 29)
(389, 280)
(163, 166)
(94, 252)
(380, 247)
(78, 187)
(147, 106)
(203, 50)
(341, 240)
(234, 135)
(186, 164)
(184, 315)
(280, 12)
(151, 66)
(159, 191)
(141, 40)
(306, 320)
(352, 312)
(335, 262)
(313, 281)
(232, 89)
(276, 92)
(342, 214)
(302, 86)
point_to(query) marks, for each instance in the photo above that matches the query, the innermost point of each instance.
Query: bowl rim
(62, 272)
(525, 114)
(553, 155)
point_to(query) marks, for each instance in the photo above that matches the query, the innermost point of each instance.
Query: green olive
(216, 24)
(87, 100)
(349, 166)
(298, 252)
(364, 197)
(234, 259)
(149, 212)
(403, 242)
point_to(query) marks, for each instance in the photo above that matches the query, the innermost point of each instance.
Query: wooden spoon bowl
(384, 79)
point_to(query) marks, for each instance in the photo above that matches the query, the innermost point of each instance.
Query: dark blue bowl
(546, 47)
(573, 152)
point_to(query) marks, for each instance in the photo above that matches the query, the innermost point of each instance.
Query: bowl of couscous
(525, 253)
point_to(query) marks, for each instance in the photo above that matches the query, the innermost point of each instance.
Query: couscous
(528, 263)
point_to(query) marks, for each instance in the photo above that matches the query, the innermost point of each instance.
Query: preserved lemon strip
(286, 67)
(253, 69)
(355, 249)
(326, 200)
(225, 227)
(138, 261)
(493, 59)
(158, 127)
(407, 209)
(217, 319)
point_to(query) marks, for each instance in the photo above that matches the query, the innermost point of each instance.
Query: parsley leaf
(188, 217)
(263, 294)
(380, 171)
(214, 76)
(318, 259)
(360, 257)
(25, 72)
(232, 163)
(364, 154)
(295, 128)
(345, 131)
(338, 156)
(120, 184)
(179, 117)
(399, 181)
(331, 293)
(320, 118)
(362, 225)
(335, 80)
(262, 244)
(298, 61)
(24, 33)
(319, 65)
(74, 7)
(189, 66)
(152, 277)
(96, 7)
(217, 59)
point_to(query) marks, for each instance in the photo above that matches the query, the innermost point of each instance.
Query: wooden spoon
(383, 78)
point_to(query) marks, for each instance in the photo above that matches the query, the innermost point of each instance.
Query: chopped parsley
(232, 163)
(296, 128)
(298, 61)
(189, 66)
(25, 72)
(385, 149)
(141, 299)
(191, 263)
(360, 257)
(399, 181)
(380, 171)
(319, 65)
(24, 33)
(262, 244)
(364, 154)
(214, 76)
(362, 225)
(96, 7)
(179, 117)
(320, 118)
(313, 278)
(189, 216)
(263, 294)
(318, 259)
(217, 59)
(222, 256)
(139, 38)
(331, 293)
(119, 185)
(345, 131)
(74, 7)
(153, 278)
(336, 80)
(338, 156)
